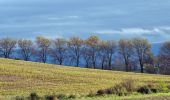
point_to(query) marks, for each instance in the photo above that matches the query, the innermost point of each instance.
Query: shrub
(91, 94)
(51, 98)
(129, 85)
(119, 90)
(153, 87)
(110, 91)
(151, 69)
(124, 88)
(168, 87)
(144, 90)
(162, 87)
(61, 96)
(147, 89)
(101, 92)
(34, 96)
(165, 90)
(19, 98)
(72, 96)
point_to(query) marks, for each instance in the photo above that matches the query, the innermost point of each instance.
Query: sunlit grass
(22, 78)
(134, 96)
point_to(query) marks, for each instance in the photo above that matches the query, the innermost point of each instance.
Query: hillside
(22, 78)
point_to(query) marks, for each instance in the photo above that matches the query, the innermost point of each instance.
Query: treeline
(126, 54)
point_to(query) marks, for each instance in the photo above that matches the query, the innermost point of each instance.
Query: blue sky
(109, 19)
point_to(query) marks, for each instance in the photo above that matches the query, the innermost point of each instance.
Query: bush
(165, 90)
(153, 87)
(144, 90)
(168, 87)
(51, 98)
(61, 96)
(72, 96)
(110, 91)
(19, 98)
(119, 90)
(91, 94)
(101, 92)
(129, 85)
(124, 88)
(162, 87)
(34, 96)
(151, 69)
(147, 89)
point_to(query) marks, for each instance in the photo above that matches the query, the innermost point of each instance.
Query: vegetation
(164, 58)
(126, 54)
(20, 78)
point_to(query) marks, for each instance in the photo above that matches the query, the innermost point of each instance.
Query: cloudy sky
(109, 19)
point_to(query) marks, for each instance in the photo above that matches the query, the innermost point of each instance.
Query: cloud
(109, 19)
(64, 18)
(154, 35)
(136, 31)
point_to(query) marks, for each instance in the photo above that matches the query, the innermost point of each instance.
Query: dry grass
(22, 78)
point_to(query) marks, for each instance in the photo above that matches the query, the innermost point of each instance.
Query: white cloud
(64, 17)
(136, 31)
(154, 35)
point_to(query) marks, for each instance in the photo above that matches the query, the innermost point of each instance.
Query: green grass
(134, 96)
(19, 78)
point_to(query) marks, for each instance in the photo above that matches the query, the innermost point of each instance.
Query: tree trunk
(141, 65)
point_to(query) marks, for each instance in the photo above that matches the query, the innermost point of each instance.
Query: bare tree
(75, 48)
(59, 50)
(92, 43)
(152, 65)
(107, 49)
(111, 48)
(43, 45)
(86, 54)
(103, 54)
(25, 48)
(164, 58)
(142, 50)
(126, 52)
(6, 46)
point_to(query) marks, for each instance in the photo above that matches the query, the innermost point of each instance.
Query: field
(20, 78)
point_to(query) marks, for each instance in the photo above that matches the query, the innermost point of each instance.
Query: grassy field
(19, 78)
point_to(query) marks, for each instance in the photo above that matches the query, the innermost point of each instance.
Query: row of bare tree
(131, 54)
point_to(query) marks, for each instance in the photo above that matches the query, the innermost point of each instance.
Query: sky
(108, 19)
